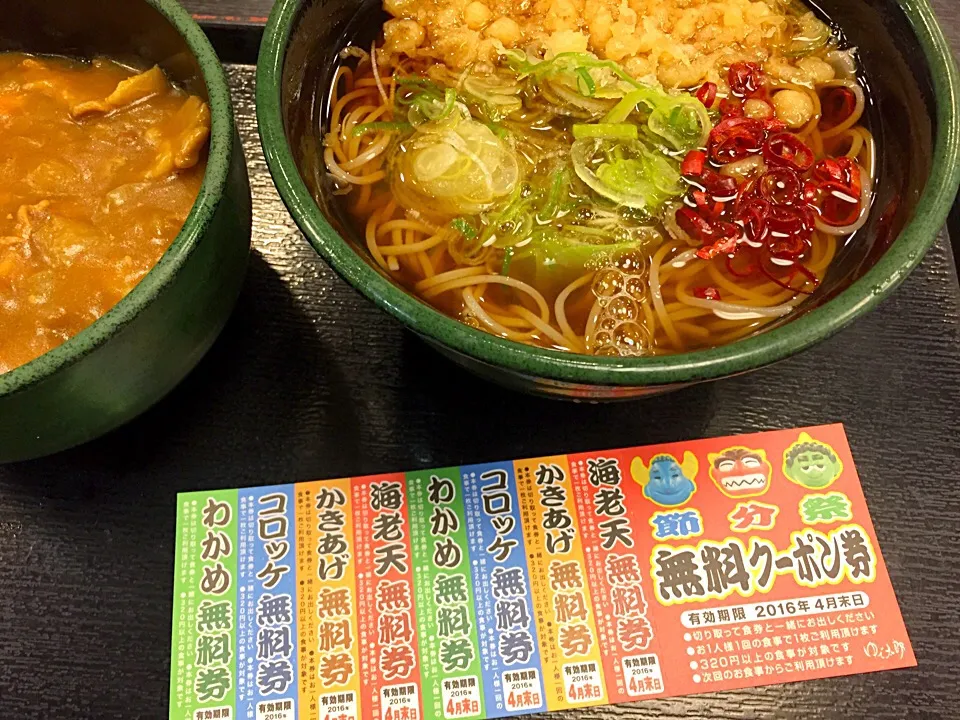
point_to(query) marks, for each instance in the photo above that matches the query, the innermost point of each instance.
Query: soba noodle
(654, 292)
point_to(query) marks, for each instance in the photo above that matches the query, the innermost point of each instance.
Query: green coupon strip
(449, 651)
(205, 607)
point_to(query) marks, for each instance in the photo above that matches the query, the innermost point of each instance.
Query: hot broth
(547, 186)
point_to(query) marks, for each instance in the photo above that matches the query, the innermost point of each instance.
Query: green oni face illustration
(811, 463)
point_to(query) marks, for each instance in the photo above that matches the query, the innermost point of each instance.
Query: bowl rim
(168, 266)
(894, 265)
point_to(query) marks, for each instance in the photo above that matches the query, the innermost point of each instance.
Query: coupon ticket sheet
(524, 586)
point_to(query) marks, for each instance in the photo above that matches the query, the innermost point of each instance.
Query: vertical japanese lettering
(329, 652)
(573, 675)
(388, 625)
(604, 492)
(445, 600)
(509, 650)
(267, 640)
(214, 589)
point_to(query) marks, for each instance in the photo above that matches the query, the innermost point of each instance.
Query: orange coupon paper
(515, 587)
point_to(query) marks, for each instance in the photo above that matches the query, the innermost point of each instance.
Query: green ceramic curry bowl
(137, 352)
(912, 112)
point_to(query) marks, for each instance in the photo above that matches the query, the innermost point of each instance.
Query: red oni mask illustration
(740, 472)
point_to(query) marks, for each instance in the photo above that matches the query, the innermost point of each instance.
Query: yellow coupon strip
(327, 602)
(570, 652)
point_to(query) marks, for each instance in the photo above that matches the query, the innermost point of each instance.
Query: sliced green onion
(812, 34)
(567, 62)
(464, 228)
(626, 172)
(561, 179)
(555, 258)
(421, 91)
(425, 103)
(685, 124)
(677, 119)
(584, 76)
(622, 110)
(450, 99)
(611, 131)
(498, 130)
(419, 98)
(364, 128)
(507, 258)
(415, 80)
(516, 206)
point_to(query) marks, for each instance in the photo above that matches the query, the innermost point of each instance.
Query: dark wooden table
(309, 380)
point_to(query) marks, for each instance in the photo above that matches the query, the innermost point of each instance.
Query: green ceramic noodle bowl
(150, 340)
(913, 90)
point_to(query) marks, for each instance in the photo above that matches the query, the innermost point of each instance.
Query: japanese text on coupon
(508, 588)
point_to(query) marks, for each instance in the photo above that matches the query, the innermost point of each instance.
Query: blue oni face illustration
(666, 481)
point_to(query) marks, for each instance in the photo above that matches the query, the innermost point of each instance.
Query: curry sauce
(99, 167)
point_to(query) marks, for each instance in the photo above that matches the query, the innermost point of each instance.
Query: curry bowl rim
(212, 188)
